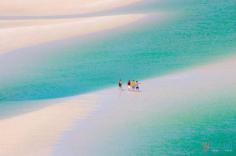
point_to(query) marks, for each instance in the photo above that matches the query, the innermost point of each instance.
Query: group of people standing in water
(132, 85)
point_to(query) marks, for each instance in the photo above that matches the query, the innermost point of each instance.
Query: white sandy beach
(58, 7)
(35, 133)
(16, 34)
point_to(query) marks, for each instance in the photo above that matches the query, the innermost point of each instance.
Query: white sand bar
(110, 129)
(34, 133)
(23, 33)
(58, 7)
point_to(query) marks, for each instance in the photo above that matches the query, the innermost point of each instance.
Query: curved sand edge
(19, 34)
(34, 133)
(58, 7)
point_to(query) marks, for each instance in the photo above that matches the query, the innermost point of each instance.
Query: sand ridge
(20, 34)
(58, 7)
(34, 133)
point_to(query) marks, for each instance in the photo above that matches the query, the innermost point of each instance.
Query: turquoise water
(200, 31)
(186, 131)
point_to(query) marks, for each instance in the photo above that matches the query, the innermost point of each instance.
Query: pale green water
(184, 132)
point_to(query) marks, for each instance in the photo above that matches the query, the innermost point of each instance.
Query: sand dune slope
(18, 34)
(58, 7)
(34, 133)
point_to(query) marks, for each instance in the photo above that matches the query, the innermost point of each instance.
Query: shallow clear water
(206, 122)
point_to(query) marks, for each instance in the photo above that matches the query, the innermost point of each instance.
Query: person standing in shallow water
(120, 84)
(128, 84)
(137, 85)
(133, 84)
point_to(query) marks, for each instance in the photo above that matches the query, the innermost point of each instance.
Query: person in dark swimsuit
(120, 83)
(137, 85)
